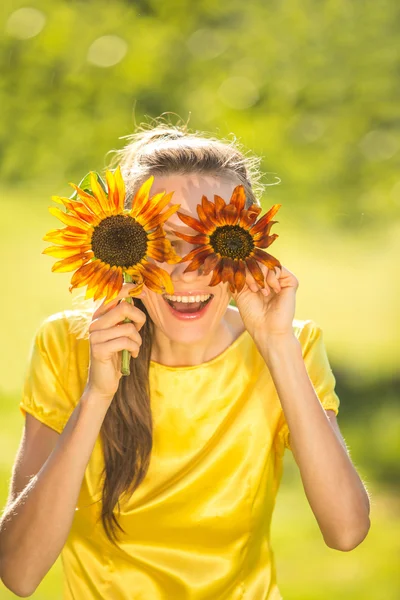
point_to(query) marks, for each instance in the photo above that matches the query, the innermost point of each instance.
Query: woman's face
(179, 320)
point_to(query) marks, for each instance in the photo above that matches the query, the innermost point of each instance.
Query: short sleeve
(319, 371)
(45, 390)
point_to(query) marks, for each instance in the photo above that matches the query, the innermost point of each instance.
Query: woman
(162, 484)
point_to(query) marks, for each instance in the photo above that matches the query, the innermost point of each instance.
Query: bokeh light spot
(379, 145)
(25, 23)
(206, 44)
(107, 51)
(238, 92)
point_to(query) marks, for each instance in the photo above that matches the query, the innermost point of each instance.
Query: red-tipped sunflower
(230, 239)
(107, 244)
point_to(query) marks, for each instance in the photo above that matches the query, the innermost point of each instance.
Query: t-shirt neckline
(205, 364)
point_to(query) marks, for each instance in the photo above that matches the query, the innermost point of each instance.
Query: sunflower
(107, 244)
(230, 239)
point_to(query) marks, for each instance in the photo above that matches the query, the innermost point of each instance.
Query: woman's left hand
(270, 311)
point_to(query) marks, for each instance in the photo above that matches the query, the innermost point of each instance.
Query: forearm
(333, 488)
(34, 528)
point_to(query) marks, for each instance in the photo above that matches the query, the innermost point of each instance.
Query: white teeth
(198, 298)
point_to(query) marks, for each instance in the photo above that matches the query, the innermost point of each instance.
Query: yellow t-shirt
(198, 526)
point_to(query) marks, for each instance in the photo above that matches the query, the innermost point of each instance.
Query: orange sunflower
(108, 244)
(230, 239)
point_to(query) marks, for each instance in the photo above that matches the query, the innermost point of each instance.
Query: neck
(177, 354)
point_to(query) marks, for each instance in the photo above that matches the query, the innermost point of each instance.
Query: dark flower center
(232, 241)
(119, 241)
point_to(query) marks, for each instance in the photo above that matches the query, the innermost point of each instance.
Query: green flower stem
(126, 355)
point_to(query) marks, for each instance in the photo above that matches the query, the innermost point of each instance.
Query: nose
(177, 272)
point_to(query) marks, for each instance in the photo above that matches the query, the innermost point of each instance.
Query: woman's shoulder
(74, 322)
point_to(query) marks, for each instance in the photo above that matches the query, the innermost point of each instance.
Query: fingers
(271, 280)
(116, 315)
(124, 293)
(128, 330)
(251, 282)
(104, 351)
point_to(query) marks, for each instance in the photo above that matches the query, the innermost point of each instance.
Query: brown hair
(157, 148)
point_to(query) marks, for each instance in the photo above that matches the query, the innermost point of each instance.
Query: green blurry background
(313, 88)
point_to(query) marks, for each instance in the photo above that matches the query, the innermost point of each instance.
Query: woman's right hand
(108, 336)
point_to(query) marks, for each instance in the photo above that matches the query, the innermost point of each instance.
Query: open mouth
(188, 305)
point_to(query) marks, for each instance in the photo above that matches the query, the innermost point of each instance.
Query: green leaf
(85, 184)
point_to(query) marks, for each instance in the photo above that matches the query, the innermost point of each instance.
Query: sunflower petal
(228, 272)
(160, 218)
(90, 218)
(217, 274)
(65, 251)
(266, 241)
(238, 198)
(116, 189)
(209, 209)
(68, 219)
(135, 273)
(115, 283)
(197, 261)
(156, 204)
(120, 185)
(157, 252)
(142, 196)
(172, 257)
(137, 290)
(193, 239)
(67, 237)
(262, 223)
(219, 204)
(100, 289)
(193, 253)
(96, 280)
(248, 216)
(193, 223)
(70, 264)
(156, 279)
(105, 202)
(204, 218)
(210, 263)
(229, 215)
(157, 234)
(74, 206)
(265, 258)
(80, 210)
(264, 232)
(240, 275)
(256, 271)
(85, 273)
(90, 201)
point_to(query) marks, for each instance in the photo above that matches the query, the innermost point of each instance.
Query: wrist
(92, 396)
(275, 347)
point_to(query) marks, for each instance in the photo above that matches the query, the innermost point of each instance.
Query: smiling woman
(162, 483)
